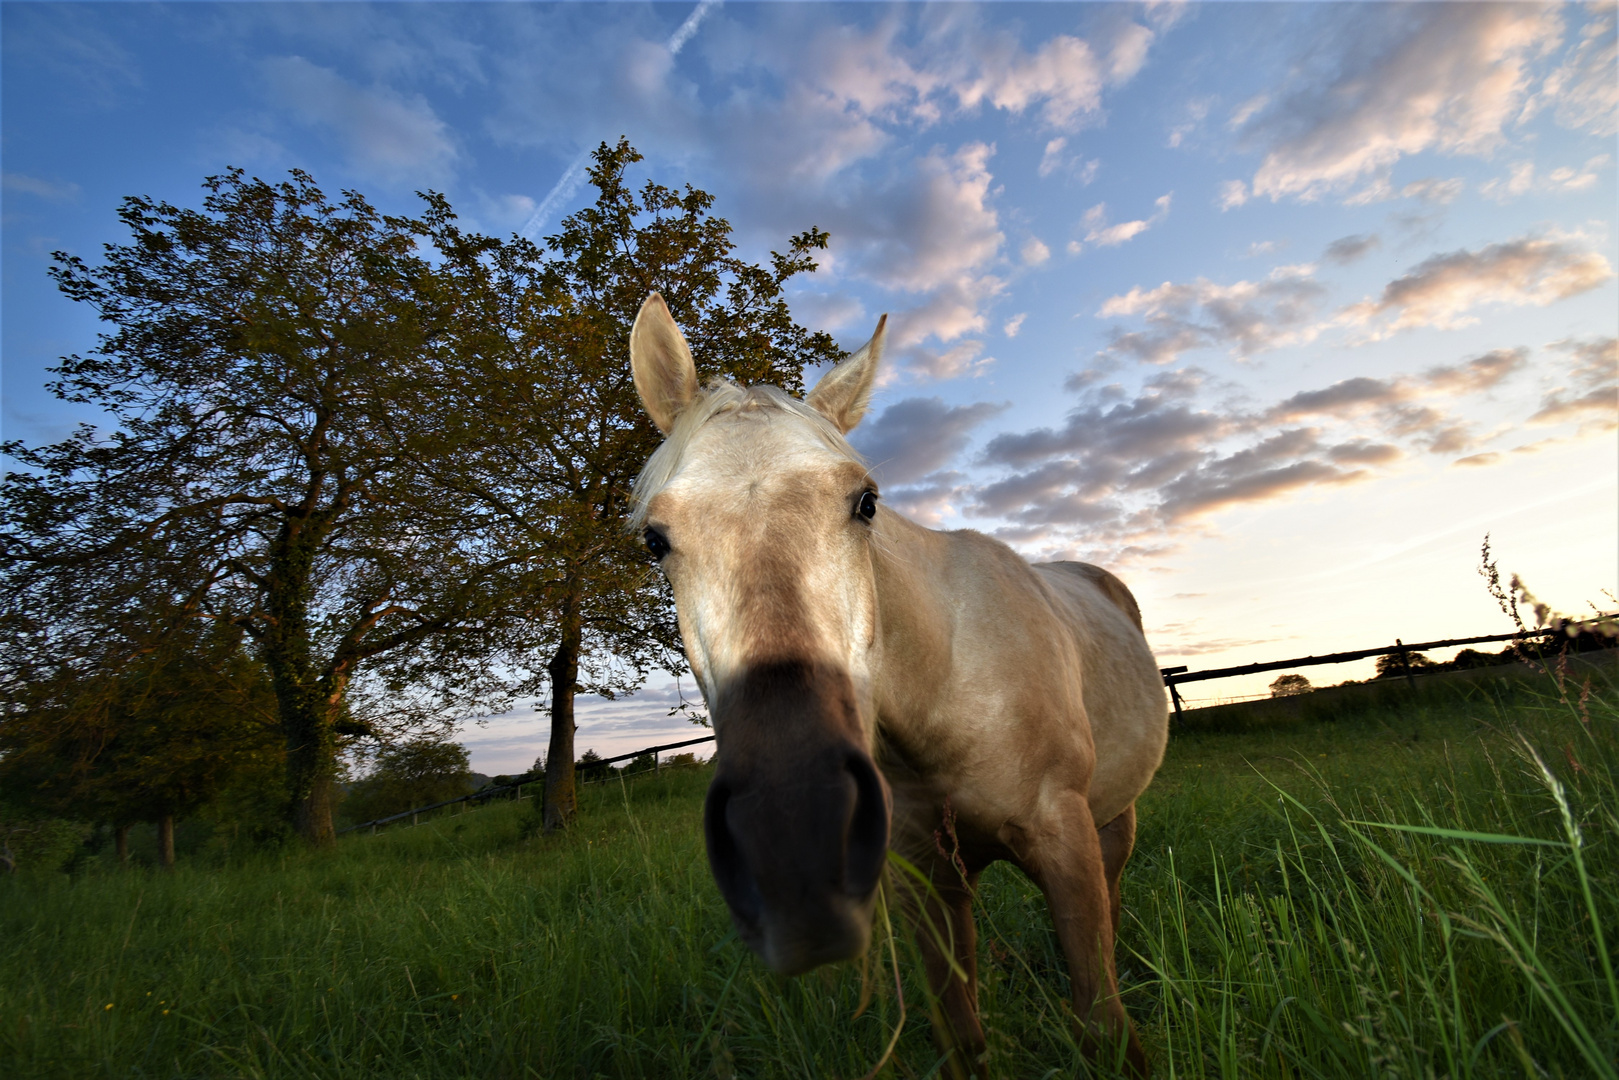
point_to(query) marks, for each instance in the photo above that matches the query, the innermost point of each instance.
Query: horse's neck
(910, 566)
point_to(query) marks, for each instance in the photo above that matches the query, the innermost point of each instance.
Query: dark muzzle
(797, 817)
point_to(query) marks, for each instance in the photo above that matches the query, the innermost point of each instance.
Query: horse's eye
(656, 543)
(868, 505)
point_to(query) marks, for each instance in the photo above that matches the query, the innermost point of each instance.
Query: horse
(875, 684)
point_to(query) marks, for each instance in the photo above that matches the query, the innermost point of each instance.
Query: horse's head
(762, 518)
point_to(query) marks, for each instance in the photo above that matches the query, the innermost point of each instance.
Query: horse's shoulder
(1104, 582)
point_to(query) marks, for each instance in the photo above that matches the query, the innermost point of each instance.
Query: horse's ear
(844, 392)
(665, 376)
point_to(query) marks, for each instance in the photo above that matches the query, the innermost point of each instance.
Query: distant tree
(268, 380)
(1391, 666)
(1289, 685)
(148, 737)
(640, 763)
(540, 376)
(417, 772)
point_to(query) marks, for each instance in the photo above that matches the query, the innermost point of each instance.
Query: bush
(38, 843)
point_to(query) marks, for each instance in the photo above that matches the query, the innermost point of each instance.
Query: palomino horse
(875, 683)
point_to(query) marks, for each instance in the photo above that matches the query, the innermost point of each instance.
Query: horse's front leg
(1063, 854)
(948, 941)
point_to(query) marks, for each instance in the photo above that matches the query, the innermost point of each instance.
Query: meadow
(1427, 887)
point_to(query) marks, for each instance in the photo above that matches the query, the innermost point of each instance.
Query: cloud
(1065, 74)
(1014, 324)
(1478, 374)
(1346, 249)
(1442, 290)
(1432, 190)
(1594, 362)
(1034, 251)
(933, 233)
(1100, 233)
(1594, 369)
(1245, 317)
(69, 41)
(931, 499)
(960, 359)
(1125, 470)
(1584, 89)
(814, 98)
(1521, 180)
(1402, 80)
(829, 311)
(918, 436)
(384, 134)
(1052, 158)
(1396, 402)
(1233, 193)
(45, 189)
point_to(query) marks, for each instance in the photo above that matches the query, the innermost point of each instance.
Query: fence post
(1169, 674)
(1405, 663)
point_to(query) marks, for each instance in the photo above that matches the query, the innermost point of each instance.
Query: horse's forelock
(723, 396)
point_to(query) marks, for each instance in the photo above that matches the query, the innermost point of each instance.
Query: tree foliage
(156, 731)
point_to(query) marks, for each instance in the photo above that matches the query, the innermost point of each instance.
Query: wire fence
(1173, 678)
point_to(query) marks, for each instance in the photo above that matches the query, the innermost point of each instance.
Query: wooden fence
(1173, 677)
(516, 786)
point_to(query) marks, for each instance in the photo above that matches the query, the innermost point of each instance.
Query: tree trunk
(561, 795)
(120, 841)
(306, 717)
(165, 841)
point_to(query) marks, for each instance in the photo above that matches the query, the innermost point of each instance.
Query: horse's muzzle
(797, 818)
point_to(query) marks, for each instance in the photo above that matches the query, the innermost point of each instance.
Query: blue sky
(1276, 309)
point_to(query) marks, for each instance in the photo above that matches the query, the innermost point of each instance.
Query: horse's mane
(723, 396)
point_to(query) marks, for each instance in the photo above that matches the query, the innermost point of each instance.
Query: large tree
(267, 381)
(541, 378)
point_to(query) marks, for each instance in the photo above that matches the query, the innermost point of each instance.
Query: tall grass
(1428, 891)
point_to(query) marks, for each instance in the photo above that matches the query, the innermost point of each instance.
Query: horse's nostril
(867, 840)
(725, 857)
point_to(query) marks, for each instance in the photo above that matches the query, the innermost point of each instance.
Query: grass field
(1424, 890)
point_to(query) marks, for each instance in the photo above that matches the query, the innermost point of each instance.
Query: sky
(1274, 309)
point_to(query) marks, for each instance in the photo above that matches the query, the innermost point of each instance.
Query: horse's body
(874, 683)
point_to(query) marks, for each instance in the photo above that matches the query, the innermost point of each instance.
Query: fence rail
(488, 793)
(1173, 677)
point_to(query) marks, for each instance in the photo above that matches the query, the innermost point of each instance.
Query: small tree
(1289, 685)
(1393, 665)
(555, 434)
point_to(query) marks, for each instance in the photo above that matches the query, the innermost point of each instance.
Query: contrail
(575, 173)
(678, 39)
